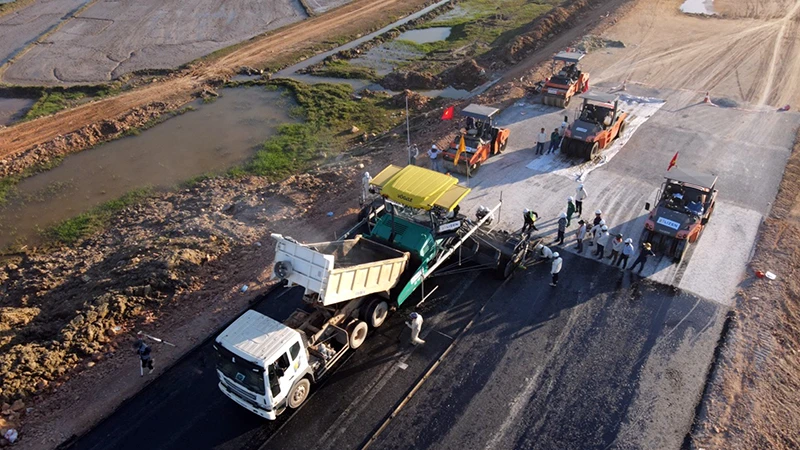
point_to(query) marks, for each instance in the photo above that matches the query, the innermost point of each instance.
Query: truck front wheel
(299, 393)
(358, 334)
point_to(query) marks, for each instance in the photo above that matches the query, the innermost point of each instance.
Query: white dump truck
(265, 365)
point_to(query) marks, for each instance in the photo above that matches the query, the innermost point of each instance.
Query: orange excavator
(479, 140)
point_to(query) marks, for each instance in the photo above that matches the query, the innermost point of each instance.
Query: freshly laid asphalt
(605, 360)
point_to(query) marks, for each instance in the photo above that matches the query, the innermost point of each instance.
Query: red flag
(674, 162)
(448, 113)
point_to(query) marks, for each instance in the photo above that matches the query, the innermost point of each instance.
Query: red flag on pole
(674, 162)
(448, 113)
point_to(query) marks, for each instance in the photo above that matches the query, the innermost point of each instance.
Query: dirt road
(351, 19)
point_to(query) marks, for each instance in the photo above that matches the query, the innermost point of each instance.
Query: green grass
(329, 111)
(343, 69)
(53, 100)
(72, 230)
(8, 185)
(489, 23)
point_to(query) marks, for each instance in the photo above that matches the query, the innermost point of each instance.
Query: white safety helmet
(604, 228)
(526, 210)
(580, 186)
(598, 212)
(571, 198)
(366, 175)
(602, 222)
(563, 215)
(555, 255)
(629, 241)
(434, 147)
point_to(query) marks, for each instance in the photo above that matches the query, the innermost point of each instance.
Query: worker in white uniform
(365, 180)
(415, 323)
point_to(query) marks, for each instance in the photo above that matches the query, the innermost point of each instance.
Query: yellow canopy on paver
(420, 188)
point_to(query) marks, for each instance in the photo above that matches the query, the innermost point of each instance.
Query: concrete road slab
(25, 25)
(746, 149)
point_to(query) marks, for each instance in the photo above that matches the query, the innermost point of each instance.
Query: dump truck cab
(566, 81)
(481, 140)
(599, 121)
(682, 209)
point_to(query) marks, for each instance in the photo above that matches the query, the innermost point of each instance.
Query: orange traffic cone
(785, 108)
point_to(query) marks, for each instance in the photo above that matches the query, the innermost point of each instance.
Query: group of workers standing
(594, 233)
(555, 139)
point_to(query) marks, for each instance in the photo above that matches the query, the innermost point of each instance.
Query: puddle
(448, 92)
(12, 109)
(385, 57)
(425, 35)
(705, 7)
(217, 136)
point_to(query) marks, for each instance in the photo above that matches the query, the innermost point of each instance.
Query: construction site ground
(607, 359)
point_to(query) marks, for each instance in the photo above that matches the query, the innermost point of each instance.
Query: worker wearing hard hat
(644, 252)
(627, 252)
(555, 268)
(580, 196)
(436, 158)
(529, 218)
(562, 228)
(602, 241)
(365, 180)
(415, 323)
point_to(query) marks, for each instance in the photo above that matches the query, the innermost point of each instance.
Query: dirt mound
(399, 81)
(543, 28)
(467, 75)
(416, 101)
(86, 137)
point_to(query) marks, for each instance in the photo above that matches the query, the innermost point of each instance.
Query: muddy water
(213, 138)
(11, 109)
(425, 35)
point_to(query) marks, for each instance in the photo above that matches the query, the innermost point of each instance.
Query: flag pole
(408, 131)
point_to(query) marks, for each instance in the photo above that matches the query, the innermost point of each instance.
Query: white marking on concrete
(639, 109)
(705, 7)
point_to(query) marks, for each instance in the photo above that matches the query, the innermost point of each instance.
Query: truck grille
(233, 387)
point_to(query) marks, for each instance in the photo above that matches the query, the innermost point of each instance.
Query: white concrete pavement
(746, 149)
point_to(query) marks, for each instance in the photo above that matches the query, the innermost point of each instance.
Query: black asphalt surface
(605, 360)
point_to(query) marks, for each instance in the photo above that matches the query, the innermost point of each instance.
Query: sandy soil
(752, 398)
(110, 39)
(353, 18)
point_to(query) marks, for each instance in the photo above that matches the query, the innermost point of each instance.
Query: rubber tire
(680, 250)
(508, 265)
(299, 393)
(471, 171)
(357, 334)
(564, 103)
(566, 147)
(621, 129)
(377, 306)
(593, 152)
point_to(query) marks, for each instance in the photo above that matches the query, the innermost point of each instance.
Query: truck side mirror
(647, 206)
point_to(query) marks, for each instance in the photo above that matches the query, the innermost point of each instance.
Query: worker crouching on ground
(562, 228)
(644, 252)
(415, 323)
(144, 352)
(555, 268)
(529, 220)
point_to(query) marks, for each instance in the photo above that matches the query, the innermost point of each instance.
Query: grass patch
(8, 185)
(343, 69)
(329, 111)
(72, 230)
(53, 100)
(485, 23)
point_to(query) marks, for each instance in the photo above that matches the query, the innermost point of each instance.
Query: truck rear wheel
(376, 312)
(299, 393)
(357, 334)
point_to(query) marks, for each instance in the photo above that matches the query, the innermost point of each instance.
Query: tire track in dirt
(776, 54)
(353, 17)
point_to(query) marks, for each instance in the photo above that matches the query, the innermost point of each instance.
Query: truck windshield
(239, 370)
